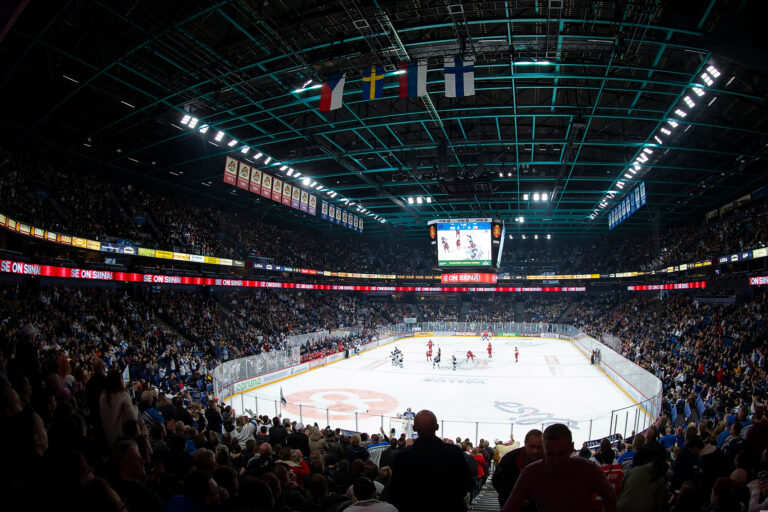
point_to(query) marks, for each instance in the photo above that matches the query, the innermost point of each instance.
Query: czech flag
(459, 77)
(332, 93)
(413, 83)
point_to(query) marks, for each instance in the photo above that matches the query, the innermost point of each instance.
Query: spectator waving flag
(332, 92)
(373, 82)
(459, 77)
(282, 398)
(413, 82)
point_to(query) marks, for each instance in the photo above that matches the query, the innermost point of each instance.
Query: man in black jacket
(428, 465)
(277, 434)
(298, 440)
(512, 464)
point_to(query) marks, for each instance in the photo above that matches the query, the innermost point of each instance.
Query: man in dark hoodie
(277, 434)
(298, 439)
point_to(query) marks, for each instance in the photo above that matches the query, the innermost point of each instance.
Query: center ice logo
(340, 404)
(524, 415)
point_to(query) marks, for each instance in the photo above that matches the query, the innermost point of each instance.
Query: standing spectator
(431, 475)
(115, 407)
(277, 434)
(560, 481)
(511, 464)
(298, 439)
(213, 415)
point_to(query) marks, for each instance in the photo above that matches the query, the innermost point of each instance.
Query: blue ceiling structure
(576, 102)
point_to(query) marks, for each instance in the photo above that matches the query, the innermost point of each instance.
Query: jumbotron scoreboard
(467, 243)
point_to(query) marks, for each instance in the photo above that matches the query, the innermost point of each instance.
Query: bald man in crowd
(560, 481)
(430, 475)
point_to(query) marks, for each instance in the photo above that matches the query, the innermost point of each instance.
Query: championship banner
(277, 190)
(331, 213)
(355, 222)
(230, 171)
(244, 176)
(255, 180)
(324, 210)
(360, 227)
(304, 201)
(338, 215)
(312, 210)
(266, 185)
(295, 197)
(344, 219)
(286, 194)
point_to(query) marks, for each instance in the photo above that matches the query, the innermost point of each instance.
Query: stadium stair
(567, 313)
(487, 499)
(520, 311)
(465, 307)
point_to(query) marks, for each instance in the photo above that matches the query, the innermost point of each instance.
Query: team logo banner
(312, 205)
(287, 194)
(277, 190)
(295, 195)
(244, 176)
(266, 185)
(255, 180)
(304, 201)
(230, 171)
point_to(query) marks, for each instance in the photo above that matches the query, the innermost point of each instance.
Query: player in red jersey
(516, 354)
(429, 354)
(429, 344)
(471, 356)
(490, 351)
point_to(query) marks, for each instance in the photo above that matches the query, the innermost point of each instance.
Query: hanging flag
(373, 82)
(332, 93)
(282, 398)
(413, 82)
(127, 373)
(459, 77)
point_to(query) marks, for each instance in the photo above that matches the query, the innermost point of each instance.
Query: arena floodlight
(680, 113)
(419, 200)
(643, 158)
(257, 155)
(522, 219)
(665, 131)
(620, 184)
(232, 143)
(219, 136)
(672, 123)
(536, 196)
(297, 174)
(313, 184)
(658, 139)
(245, 150)
(204, 128)
(699, 90)
(544, 196)
(713, 71)
(509, 175)
(501, 174)
(637, 166)
(410, 200)
(185, 119)
(193, 122)
(649, 151)
(525, 197)
(290, 172)
(267, 160)
(306, 180)
(627, 175)
(283, 167)
(429, 199)
(523, 236)
(688, 101)
(549, 237)
(535, 237)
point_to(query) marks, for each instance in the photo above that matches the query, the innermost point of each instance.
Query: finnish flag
(459, 77)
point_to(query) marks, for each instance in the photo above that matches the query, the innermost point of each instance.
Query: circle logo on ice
(340, 403)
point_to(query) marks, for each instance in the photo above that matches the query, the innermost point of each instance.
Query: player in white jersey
(408, 416)
(453, 361)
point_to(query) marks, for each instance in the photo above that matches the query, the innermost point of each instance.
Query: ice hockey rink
(552, 382)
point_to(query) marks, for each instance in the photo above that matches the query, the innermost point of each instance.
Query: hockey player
(445, 244)
(453, 362)
(486, 336)
(429, 344)
(517, 354)
(471, 356)
(400, 359)
(429, 354)
(490, 351)
(408, 416)
(436, 360)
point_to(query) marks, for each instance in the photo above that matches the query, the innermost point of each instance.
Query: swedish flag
(373, 82)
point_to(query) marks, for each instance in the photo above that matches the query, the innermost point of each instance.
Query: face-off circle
(341, 403)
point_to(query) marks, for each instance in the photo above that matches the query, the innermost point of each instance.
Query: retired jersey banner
(331, 213)
(355, 222)
(312, 210)
(295, 194)
(230, 171)
(323, 210)
(255, 180)
(266, 185)
(338, 215)
(360, 228)
(277, 190)
(244, 176)
(304, 201)
(286, 194)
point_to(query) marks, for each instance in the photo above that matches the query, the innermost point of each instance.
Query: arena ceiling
(568, 95)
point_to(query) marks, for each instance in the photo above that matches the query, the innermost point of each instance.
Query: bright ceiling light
(637, 167)
(410, 200)
(522, 219)
(306, 180)
(297, 174)
(429, 199)
(313, 184)
(204, 128)
(544, 196)
(627, 175)
(193, 122)
(658, 139)
(185, 119)
(419, 200)
(267, 160)
(219, 136)
(707, 79)
(680, 112)
(245, 150)
(713, 71)
(673, 124)
(699, 91)
(649, 151)
(536, 237)
(665, 131)
(283, 167)
(232, 143)
(525, 197)
(290, 172)
(536, 196)
(688, 101)
(549, 237)
(523, 237)
(257, 156)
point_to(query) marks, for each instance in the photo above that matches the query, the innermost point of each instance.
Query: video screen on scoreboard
(464, 244)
